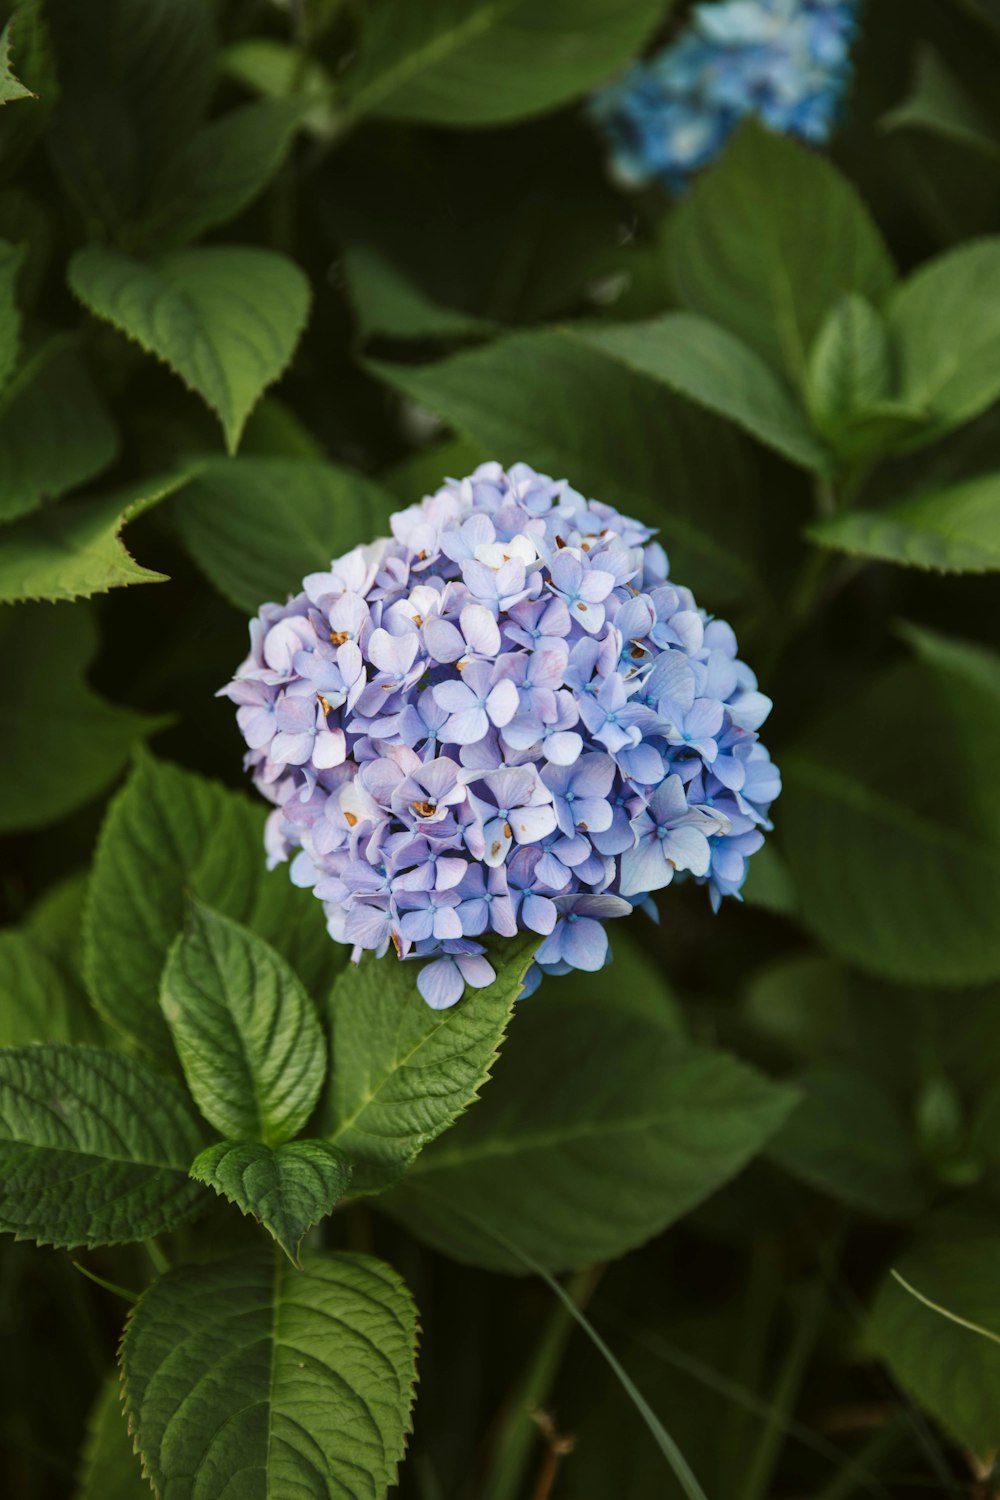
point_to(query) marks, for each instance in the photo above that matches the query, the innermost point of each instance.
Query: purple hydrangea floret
(503, 718)
(784, 62)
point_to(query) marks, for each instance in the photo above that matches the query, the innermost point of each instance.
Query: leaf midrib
(419, 60)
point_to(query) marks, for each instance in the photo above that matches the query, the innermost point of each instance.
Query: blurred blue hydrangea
(785, 62)
(504, 718)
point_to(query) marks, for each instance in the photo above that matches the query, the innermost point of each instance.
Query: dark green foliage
(269, 272)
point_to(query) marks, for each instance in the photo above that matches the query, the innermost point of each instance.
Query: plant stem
(160, 1262)
(785, 1393)
(880, 1445)
(109, 1286)
(518, 1430)
(759, 1301)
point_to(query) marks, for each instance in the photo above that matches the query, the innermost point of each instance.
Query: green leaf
(11, 261)
(847, 1139)
(135, 78)
(894, 877)
(38, 1000)
(940, 105)
(401, 1072)
(849, 364)
(226, 319)
(73, 550)
(54, 430)
(94, 1148)
(953, 1371)
(633, 982)
(480, 62)
(280, 70)
(587, 1160)
(287, 1189)
(967, 676)
(386, 301)
(254, 550)
(945, 326)
(768, 240)
(220, 171)
(44, 646)
(701, 360)
(954, 530)
(109, 1469)
(245, 1030)
(11, 88)
(768, 883)
(291, 1382)
(170, 834)
(572, 411)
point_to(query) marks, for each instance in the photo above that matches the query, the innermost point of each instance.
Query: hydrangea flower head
(784, 62)
(503, 718)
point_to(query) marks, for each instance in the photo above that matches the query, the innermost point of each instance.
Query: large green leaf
(109, 1469)
(550, 399)
(255, 549)
(702, 360)
(480, 62)
(945, 324)
(954, 530)
(953, 1371)
(245, 1030)
(42, 645)
(226, 319)
(291, 1382)
(402, 1072)
(892, 873)
(598, 1131)
(287, 1188)
(135, 78)
(38, 1000)
(768, 240)
(94, 1147)
(847, 1139)
(54, 430)
(967, 677)
(386, 301)
(11, 260)
(170, 834)
(73, 550)
(221, 170)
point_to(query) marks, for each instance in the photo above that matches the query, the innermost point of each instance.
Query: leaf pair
(255, 1061)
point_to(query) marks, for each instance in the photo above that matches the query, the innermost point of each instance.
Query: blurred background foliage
(270, 271)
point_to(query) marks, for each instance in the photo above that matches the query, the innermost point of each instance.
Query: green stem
(518, 1432)
(161, 1264)
(109, 1286)
(785, 1393)
(759, 1301)
(882, 1444)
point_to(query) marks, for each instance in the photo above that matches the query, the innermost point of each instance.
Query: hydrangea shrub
(506, 717)
(488, 966)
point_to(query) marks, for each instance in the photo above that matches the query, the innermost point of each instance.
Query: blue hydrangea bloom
(785, 62)
(504, 718)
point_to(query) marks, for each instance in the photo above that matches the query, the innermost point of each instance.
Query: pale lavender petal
(585, 944)
(644, 869)
(441, 984)
(533, 823)
(442, 640)
(501, 705)
(480, 630)
(476, 970)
